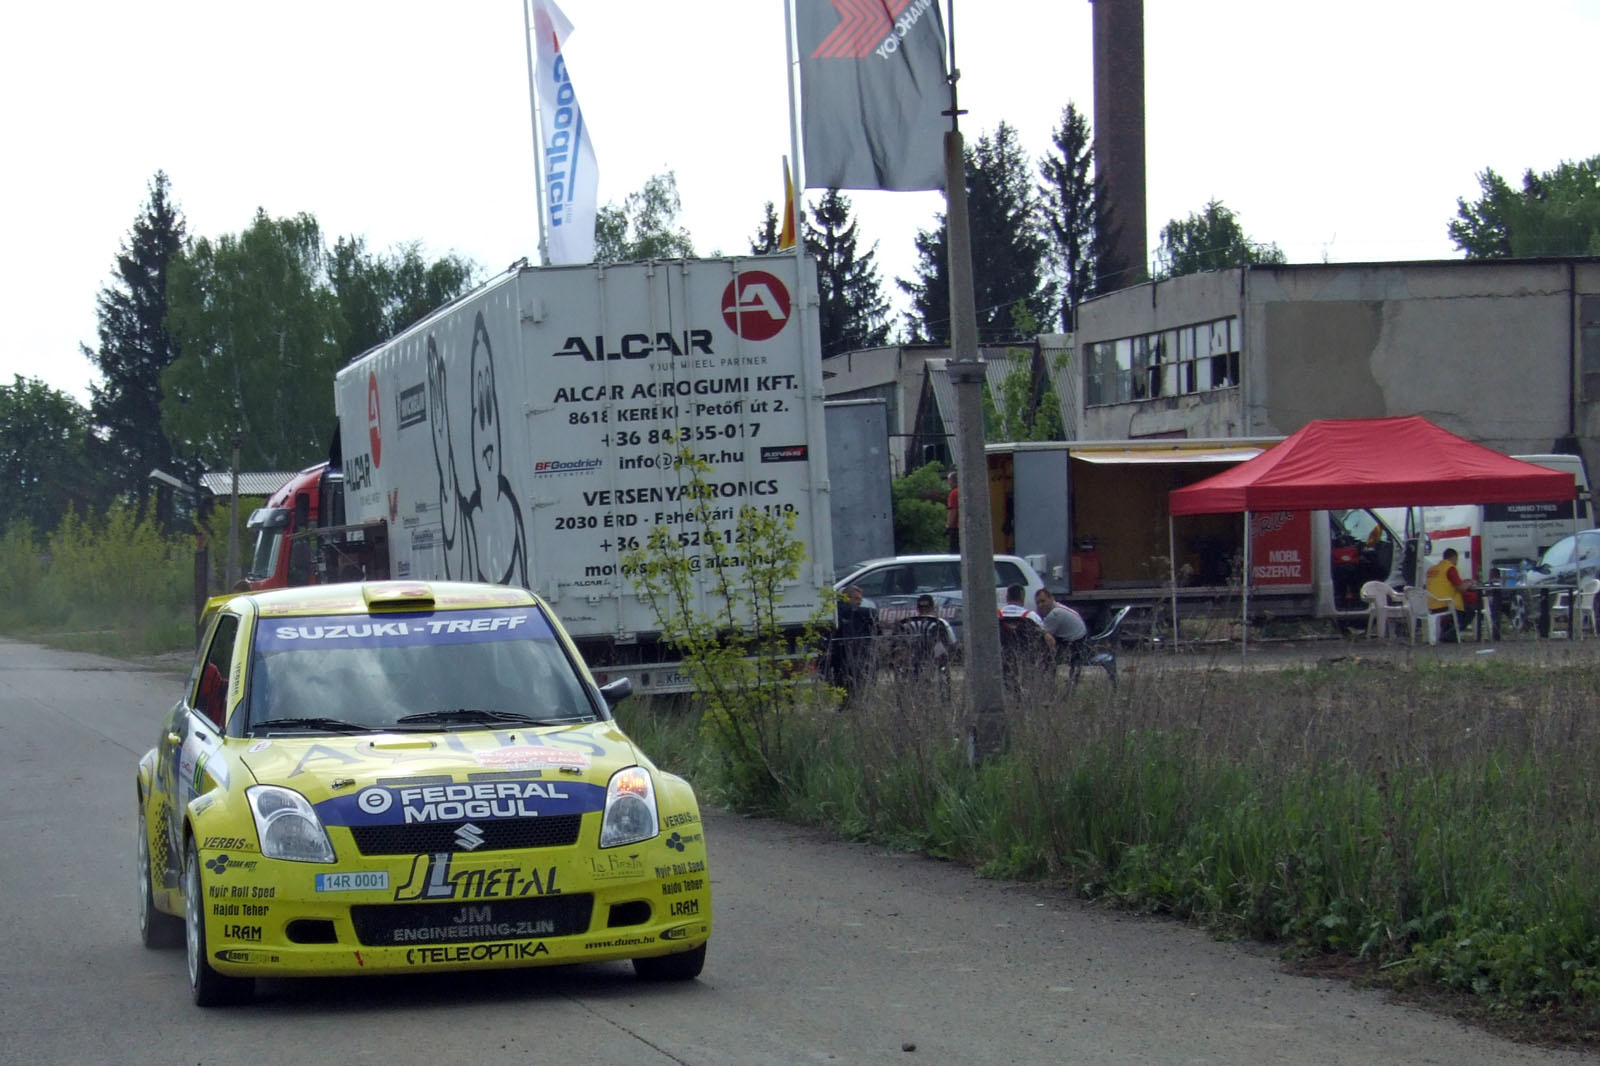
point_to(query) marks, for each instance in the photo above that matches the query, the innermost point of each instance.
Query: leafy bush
(736, 650)
(113, 583)
(918, 501)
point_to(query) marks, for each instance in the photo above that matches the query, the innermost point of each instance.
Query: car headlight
(630, 809)
(287, 825)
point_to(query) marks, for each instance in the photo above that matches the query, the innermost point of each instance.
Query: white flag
(570, 179)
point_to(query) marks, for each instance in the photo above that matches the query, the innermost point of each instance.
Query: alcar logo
(374, 420)
(755, 305)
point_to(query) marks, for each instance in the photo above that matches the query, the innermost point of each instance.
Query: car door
(194, 731)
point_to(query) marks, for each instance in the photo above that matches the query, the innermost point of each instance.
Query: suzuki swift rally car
(406, 777)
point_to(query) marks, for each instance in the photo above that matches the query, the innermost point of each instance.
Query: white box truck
(528, 434)
(1504, 536)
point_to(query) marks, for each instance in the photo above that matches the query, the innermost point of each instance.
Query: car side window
(879, 582)
(942, 577)
(1008, 574)
(210, 693)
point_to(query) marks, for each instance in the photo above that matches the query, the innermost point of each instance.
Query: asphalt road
(823, 953)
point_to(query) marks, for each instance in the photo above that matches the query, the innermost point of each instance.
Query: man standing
(952, 515)
(849, 658)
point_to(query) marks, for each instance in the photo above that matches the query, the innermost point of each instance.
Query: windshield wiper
(333, 724)
(474, 715)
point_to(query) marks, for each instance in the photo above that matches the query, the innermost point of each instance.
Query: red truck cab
(300, 536)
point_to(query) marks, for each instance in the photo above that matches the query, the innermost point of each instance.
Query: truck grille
(488, 834)
(421, 924)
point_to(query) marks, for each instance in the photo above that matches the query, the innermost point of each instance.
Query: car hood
(384, 778)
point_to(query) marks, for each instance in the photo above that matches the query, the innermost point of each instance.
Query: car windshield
(1560, 553)
(430, 671)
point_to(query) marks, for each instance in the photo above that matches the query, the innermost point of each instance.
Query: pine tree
(135, 347)
(853, 311)
(1009, 253)
(1074, 212)
(765, 241)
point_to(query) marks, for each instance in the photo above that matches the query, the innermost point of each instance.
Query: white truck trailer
(528, 433)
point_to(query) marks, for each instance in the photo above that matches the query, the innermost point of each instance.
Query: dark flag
(872, 86)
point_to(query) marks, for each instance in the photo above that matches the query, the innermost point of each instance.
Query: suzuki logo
(469, 837)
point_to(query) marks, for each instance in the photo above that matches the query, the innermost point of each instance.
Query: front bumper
(455, 910)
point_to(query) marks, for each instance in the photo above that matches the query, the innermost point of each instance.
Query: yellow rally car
(408, 776)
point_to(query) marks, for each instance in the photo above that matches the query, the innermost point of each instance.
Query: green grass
(1439, 824)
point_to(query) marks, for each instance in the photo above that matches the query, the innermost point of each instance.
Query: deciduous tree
(644, 226)
(259, 333)
(381, 294)
(1209, 240)
(1556, 213)
(50, 460)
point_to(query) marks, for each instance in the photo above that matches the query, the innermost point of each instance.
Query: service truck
(1494, 539)
(1093, 516)
(531, 433)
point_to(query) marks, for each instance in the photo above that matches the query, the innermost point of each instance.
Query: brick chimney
(1119, 137)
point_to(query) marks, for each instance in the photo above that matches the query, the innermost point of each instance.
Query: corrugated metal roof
(944, 393)
(1064, 379)
(252, 484)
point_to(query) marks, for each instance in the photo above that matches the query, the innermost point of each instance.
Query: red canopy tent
(1366, 462)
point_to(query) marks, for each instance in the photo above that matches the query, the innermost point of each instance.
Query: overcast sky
(1341, 131)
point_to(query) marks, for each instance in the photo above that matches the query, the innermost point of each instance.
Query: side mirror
(617, 691)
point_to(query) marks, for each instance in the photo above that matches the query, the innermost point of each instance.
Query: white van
(1499, 536)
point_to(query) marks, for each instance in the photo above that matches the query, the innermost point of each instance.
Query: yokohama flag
(872, 86)
(570, 179)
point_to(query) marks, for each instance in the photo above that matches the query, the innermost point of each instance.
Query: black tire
(684, 966)
(208, 987)
(157, 929)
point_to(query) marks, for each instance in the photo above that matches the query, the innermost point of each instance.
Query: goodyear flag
(570, 179)
(872, 86)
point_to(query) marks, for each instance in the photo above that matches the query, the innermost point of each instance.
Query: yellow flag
(786, 237)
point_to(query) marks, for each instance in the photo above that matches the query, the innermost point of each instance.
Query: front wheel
(684, 966)
(156, 929)
(208, 987)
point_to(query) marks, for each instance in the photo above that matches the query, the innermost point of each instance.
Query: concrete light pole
(980, 633)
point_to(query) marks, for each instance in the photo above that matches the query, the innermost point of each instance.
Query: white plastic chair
(1561, 613)
(1417, 606)
(1384, 606)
